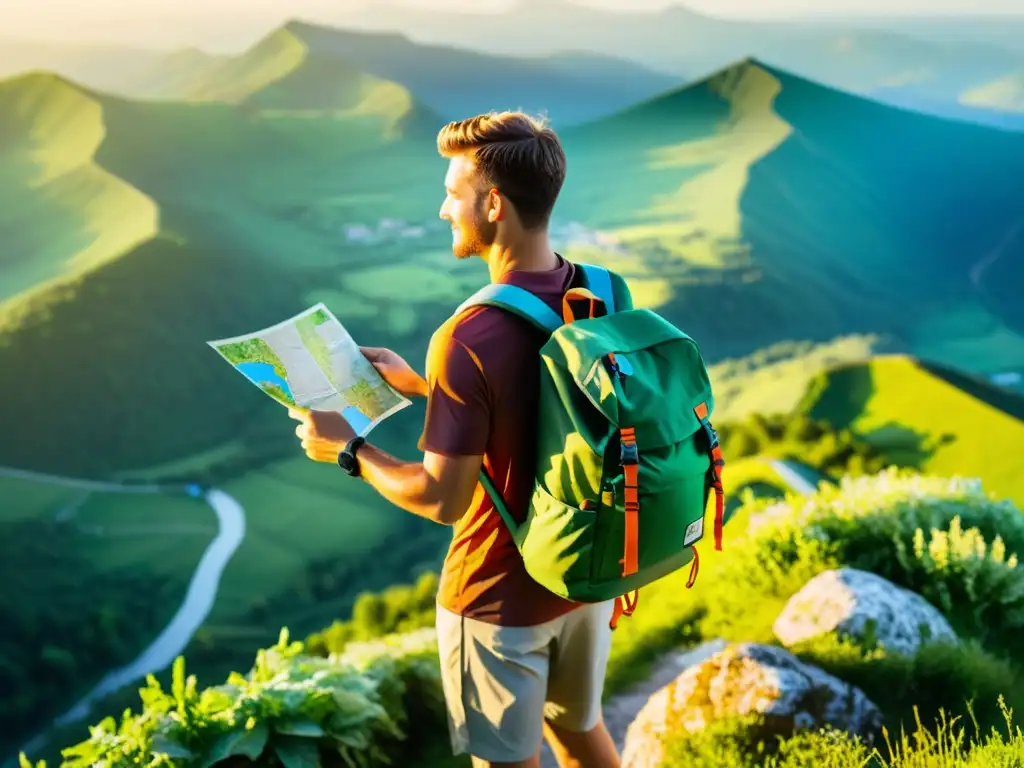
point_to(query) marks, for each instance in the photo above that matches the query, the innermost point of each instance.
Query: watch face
(346, 461)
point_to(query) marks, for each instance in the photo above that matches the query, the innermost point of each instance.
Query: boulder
(854, 604)
(748, 679)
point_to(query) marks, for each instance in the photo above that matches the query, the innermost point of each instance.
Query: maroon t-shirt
(482, 375)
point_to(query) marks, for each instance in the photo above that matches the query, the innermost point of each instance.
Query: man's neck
(531, 254)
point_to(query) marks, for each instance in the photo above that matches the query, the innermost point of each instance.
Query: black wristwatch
(347, 458)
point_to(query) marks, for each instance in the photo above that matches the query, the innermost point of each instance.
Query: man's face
(466, 208)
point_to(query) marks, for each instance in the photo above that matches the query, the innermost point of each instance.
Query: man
(518, 662)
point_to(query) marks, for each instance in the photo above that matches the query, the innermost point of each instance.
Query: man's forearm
(406, 484)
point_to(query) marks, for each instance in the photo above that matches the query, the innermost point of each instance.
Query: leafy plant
(293, 709)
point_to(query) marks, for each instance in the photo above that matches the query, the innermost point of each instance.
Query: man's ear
(495, 206)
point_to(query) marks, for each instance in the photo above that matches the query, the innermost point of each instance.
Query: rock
(621, 708)
(853, 603)
(748, 679)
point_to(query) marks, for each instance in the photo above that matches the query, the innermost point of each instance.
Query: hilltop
(52, 131)
(927, 417)
(756, 206)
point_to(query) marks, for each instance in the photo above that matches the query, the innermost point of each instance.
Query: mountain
(869, 59)
(757, 206)
(585, 61)
(64, 212)
(168, 77)
(305, 58)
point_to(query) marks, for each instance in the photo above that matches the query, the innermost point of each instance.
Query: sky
(193, 21)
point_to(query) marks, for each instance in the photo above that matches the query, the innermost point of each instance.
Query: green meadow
(836, 260)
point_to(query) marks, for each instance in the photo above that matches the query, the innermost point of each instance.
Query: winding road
(199, 599)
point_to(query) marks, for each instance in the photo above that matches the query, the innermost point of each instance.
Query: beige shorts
(500, 683)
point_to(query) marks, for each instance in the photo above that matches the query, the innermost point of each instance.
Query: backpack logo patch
(694, 531)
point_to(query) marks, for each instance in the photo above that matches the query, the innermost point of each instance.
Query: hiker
(518, 662)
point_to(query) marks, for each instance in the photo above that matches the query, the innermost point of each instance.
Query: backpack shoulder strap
(599, 281)
(520, 302)
(516, 300)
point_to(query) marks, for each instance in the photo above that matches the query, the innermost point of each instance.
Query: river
(172, 640)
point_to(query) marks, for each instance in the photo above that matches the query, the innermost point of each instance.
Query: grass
(297, 512)
(923, 421)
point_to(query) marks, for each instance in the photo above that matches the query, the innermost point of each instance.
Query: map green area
(311, 361)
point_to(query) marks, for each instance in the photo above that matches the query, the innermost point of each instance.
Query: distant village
(563, 234)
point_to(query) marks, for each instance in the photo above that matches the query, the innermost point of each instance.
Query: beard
(473, 237)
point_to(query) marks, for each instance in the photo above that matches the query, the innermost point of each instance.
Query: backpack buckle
(628, 453)
(711, 433)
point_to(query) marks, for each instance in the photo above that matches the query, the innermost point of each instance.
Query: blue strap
(600, 284)
(517, 300)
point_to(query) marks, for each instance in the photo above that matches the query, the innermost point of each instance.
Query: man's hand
(323, 433)
(395, 371)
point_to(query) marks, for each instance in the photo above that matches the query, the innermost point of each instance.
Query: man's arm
(439, 489)
(441, 486)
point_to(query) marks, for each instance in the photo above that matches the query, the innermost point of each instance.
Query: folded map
(311, 361)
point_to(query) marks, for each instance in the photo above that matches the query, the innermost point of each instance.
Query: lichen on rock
(864, 607)
(783, 693)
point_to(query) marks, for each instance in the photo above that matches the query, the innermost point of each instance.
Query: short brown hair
(516, 153)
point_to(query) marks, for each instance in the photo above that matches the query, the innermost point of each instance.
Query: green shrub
(399, 608)
(905, 527)
(378, 702)
(940, 676)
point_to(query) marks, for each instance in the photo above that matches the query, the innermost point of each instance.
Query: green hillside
(927, 417)
(242, 215)
(756, 207)
(49, 137)
(753, 209)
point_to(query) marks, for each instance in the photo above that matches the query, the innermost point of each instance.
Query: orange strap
(693, 568)
(717, 462)
(630, 470)
(624, 606)
(579, 303)
(716, 455)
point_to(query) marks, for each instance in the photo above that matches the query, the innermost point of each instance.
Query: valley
(834, 257)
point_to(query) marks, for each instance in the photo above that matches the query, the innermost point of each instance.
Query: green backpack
(626, 454)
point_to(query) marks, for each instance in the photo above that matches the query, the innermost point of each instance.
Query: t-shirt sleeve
(458, 414)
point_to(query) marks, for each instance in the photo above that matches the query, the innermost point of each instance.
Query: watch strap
(347, 457)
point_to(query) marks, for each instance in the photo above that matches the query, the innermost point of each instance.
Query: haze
(233, 23)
